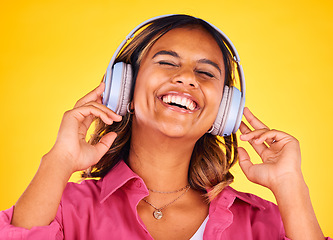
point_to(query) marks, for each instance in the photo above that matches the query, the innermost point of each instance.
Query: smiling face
(179, 84)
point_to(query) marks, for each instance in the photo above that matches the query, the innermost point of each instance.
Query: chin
(175, 131)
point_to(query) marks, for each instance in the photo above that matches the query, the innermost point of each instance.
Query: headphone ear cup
(220, 118)
(118, 88)
(127, 82)
(230, 113)
(232, 120)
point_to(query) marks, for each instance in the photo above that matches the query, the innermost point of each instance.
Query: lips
(180, 100)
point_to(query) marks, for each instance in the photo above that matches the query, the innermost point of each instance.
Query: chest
(177, 222)
(126, 217)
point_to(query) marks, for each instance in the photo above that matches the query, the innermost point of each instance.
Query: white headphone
(119, 80)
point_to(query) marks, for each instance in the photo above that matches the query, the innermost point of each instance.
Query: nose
(187, 78)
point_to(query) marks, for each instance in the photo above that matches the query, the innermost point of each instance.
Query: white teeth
(173, 99)
(184, 102)
(191, 106)
(179, 100)
(169, 98)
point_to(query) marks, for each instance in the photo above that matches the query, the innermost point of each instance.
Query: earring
(211, 129)
(130, 111)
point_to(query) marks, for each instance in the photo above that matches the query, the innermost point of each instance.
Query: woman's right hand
(70, 153)
(71, 147)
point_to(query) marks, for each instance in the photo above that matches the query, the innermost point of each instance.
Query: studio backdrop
(54, 52)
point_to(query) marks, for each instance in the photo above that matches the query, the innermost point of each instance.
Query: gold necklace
(158, 211)
(155, 191)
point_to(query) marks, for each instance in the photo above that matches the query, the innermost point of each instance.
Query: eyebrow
(174, 54)
(207, 61)
(164, 52)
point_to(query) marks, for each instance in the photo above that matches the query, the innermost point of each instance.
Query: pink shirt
(106, 209)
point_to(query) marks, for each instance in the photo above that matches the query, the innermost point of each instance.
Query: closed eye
(167, 63)
(208, 74)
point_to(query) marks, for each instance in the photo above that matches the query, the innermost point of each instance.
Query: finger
(83, 128)
(250, 136)
(244, 128)
(244, 162)
(88, 112)
(93, 96)
(108, 111)
(271, 137)
(89, 119)
(105, 143)
(253, 120)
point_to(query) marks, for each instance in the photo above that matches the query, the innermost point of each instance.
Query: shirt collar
(231, 194)
(115, 179)
(121, 174)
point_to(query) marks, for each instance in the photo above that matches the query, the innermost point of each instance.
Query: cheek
(149, 80)
(213, 93)
(141, 83)
(213, 101)
(146, 85)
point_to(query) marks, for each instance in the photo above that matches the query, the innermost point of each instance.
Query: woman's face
(179, 84)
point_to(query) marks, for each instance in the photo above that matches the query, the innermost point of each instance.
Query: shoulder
(235, 197)
(251, 199)
(102, 189)
(249, 206)
(245, 215)
(87, 189)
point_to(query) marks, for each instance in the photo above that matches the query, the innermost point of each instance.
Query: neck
(161, 161)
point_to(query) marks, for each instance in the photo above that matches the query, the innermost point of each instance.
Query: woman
(163, 175)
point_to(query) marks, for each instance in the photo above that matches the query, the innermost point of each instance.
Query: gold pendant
(157, 214)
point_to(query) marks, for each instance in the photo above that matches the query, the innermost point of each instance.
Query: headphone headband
(226, 40)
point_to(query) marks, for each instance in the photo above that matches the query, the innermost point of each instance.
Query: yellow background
(53, 52)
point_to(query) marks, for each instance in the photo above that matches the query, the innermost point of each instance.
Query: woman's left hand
(280, 154)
